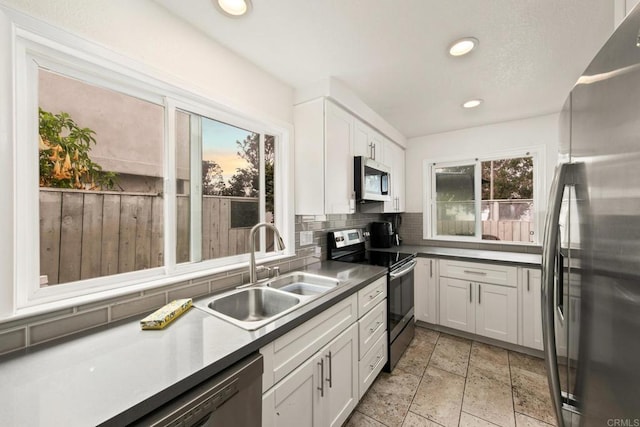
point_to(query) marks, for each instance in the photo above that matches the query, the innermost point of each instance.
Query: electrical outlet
(306, 238)
(318, 252)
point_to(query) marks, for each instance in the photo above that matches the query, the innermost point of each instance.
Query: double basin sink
(252, 308)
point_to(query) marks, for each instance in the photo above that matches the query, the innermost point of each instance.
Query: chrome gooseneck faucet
(253, 276)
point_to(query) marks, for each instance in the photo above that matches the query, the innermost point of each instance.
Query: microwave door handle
(550, 248)
(404, 270)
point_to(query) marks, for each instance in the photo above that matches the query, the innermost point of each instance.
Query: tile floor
(443, 380)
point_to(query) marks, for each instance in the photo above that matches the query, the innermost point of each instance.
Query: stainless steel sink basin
(303, 283)
(252, 308)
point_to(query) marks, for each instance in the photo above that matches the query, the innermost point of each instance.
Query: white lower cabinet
(497, 312)
(323, 391)
(471, 304)
(315, 374)
(531, 309)
(457, 309)
(426, 290)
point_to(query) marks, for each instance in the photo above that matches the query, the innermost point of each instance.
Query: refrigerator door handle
(551, 234)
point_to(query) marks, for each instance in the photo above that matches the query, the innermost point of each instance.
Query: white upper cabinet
(394, 155)
(323, 160)
(369, 143)
(327, 137)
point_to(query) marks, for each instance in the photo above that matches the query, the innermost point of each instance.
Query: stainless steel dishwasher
(231, 398)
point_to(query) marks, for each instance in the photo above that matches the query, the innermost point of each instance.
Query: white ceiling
(393, 53)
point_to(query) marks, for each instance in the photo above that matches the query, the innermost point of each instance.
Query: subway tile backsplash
(19, 334)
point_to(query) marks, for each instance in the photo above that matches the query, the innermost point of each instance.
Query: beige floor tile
(416, 357)
(426, 335)
(388, 399)
(531, 394)
(468, 420)
(358, 419)
(488, 396)
(492, 361)
(526, 362)
(439, 397)
(451, 354)
(525, 421)
(415, 420)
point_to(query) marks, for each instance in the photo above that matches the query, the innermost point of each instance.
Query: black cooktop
(387, 259)
(372, 257)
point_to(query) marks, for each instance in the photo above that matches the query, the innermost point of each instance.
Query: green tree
(246, 181)
(64, 155)
(212, 181)
(511, 178)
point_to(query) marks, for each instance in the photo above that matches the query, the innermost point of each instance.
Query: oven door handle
(403, 271)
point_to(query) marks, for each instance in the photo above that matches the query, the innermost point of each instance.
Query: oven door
(400, 298)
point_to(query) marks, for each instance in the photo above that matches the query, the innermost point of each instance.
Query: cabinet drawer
(370, 296)
(290, 350)
(371, 326)
(477, 272)
(372, 363)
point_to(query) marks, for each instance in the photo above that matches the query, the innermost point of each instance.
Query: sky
(219, 144)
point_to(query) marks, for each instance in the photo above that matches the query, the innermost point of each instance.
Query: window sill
(141, 289)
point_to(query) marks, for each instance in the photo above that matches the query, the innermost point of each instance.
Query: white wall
(147, 33)
(479, 141)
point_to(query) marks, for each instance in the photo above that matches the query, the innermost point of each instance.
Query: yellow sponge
(166, 314)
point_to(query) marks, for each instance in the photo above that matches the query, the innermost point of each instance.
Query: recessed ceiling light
(472, 103)
(233, 8)
(463, 46)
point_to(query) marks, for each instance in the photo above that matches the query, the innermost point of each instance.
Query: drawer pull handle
(372, 330)
(481, 273)
(321, 386)
(372, 296)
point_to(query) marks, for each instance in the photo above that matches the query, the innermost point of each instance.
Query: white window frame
(35, 44)
(429, 205)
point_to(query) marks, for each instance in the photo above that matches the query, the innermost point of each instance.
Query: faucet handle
(276, 271)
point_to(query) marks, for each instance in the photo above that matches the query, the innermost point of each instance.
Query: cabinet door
(361, 143)
(531, 309)
(338, 174)
(496, 312)
(296, 400)
(457, 304)
(341, 376)
(399, 176)
(426, 290)
(394, 156)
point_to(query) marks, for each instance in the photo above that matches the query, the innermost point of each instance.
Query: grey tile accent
(35, 319)
(13, 340)
(165, 289)
(191, 291)
(137, 306)
(226, 282)
(107, 302)
(68, 325)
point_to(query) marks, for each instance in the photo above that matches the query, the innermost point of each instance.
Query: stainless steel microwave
(371, 180)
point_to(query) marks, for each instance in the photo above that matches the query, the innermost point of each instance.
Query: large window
(226, 188)
(126, 180)
(489, 199)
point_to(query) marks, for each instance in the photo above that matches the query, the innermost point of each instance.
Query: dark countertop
(502, 257)
(121, 372)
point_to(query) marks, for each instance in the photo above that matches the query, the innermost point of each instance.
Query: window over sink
(129, 182)
(491, 198)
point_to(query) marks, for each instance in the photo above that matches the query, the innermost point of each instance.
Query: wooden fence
(85, 234)
(505, 230)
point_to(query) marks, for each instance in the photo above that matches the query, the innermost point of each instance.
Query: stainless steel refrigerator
(591, 255)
